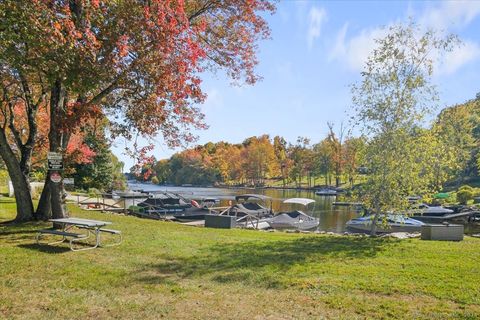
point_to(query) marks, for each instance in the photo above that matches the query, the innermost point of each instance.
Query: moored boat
(438, 214)
(164, 202)
(197, 211)
(250, 204)
(426, 213)
(385, 224)
(295, 219)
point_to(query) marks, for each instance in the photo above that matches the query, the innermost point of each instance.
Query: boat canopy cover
(251, 195)
(303, 201)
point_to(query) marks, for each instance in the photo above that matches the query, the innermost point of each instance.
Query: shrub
(464, 194)
(37, 176)
(92, 192)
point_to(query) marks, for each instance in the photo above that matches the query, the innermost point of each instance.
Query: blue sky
(317, 50)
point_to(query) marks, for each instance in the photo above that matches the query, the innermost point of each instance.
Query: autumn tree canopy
(136, 62)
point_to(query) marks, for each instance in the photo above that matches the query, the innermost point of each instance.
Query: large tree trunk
(23, 198)
(20, 181)
(44, 208)
(52, 201)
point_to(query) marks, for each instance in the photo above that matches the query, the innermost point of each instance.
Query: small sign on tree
(56, 177)
(55, 161)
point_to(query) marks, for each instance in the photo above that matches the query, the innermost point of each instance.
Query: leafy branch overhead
(138, 63)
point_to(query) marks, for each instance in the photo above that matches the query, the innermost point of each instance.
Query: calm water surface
(332, 218)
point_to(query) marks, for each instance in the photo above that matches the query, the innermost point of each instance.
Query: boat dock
(346, 204)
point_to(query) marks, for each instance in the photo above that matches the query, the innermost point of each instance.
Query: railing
(97, 202)
(247, 219)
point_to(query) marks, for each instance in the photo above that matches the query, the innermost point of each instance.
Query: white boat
(295, 219)
(392, 223)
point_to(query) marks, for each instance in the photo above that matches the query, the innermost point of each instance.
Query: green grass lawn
(166, 270)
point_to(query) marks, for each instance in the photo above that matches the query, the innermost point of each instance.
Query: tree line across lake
(449, 148)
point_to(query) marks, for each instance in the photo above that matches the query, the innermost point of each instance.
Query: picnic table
(92, 227)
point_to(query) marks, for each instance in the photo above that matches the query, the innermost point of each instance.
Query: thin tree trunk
(373, 230)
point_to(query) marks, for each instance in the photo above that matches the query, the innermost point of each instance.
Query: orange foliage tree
(138, 62)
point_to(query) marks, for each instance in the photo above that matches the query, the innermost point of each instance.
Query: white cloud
(339, 49)
(355, 50)
(460, 56)
(445, 16)
(316, 18)
(450, 14)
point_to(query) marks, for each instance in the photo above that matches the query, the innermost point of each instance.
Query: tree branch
(207, 6)
(11, 125)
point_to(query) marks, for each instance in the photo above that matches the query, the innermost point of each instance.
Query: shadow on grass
(13, 233)
(7, 200)
(17, 233)
(45, 248)
(262, 263)
(8, 233)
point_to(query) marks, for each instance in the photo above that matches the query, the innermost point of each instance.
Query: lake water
(332, 218)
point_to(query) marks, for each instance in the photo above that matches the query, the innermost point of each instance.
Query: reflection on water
(331, 218)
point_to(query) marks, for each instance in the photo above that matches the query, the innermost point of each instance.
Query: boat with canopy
(251, 204)
(295, 219)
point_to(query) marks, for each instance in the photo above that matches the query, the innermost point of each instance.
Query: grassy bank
(177, 272)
